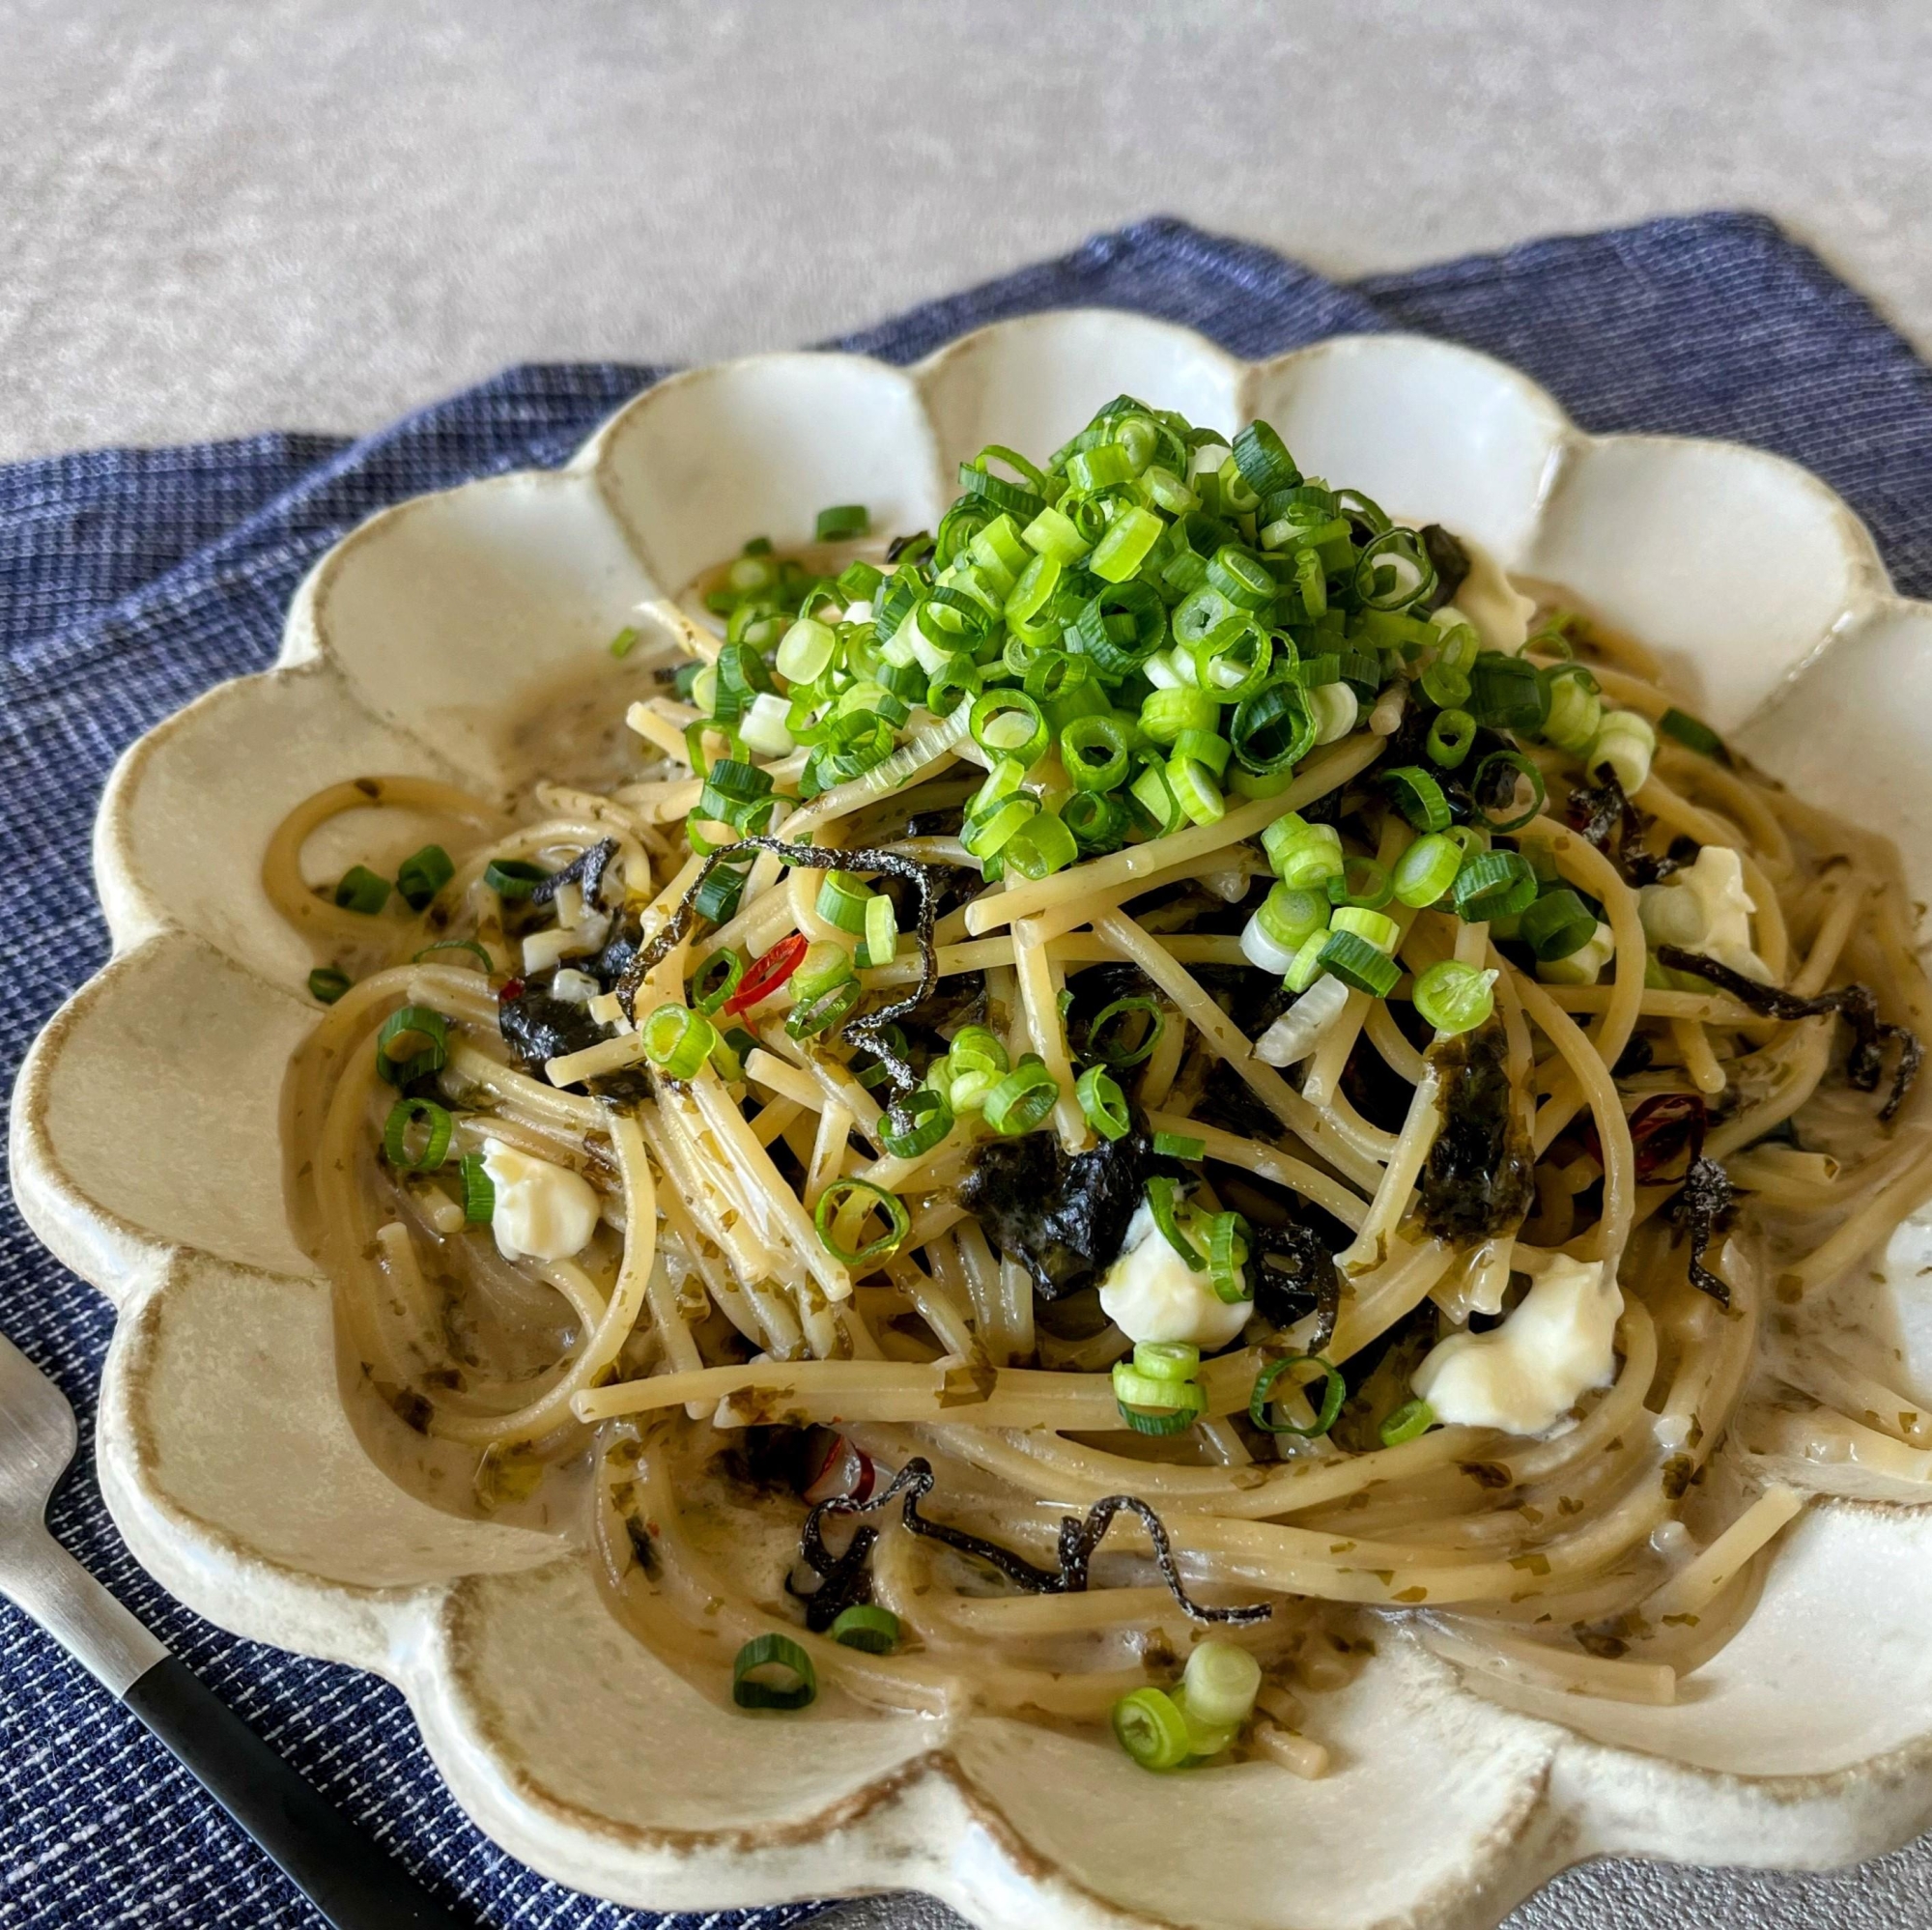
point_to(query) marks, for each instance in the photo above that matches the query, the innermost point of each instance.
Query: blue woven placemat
(131, 580)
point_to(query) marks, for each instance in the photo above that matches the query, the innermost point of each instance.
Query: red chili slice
(512, 991)
(1663, 1127)
(768, 973)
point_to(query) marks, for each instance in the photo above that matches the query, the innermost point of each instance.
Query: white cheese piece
(1486, 600)
(1524, 1375)
(542, 1212)
(575, 988)
(1706, 909)
(1150, 1293)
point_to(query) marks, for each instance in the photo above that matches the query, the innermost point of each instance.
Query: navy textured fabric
(130, 581)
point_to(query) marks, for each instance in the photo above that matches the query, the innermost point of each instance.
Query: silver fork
(339, 1869)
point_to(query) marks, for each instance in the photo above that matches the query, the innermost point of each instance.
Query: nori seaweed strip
(1598, 814)
(1856, 1005)
(1451, 562)
(843, 1580)
(1309, 1282)
(1700, 1206)
(586, 869)
(865, 1029)
(1078, 1540)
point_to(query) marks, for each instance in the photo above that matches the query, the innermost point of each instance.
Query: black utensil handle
(340, 1870)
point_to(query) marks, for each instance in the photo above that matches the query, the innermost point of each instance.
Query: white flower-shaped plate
(146, 1147)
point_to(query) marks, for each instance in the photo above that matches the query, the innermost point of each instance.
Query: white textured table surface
(219, 217)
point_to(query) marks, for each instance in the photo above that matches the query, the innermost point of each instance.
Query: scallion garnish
(411, 1042)
(1149, 1725)
(437, 1127)
(1488, 780)
(843, 522)
(361, 889)
(1102, 1103)
(1179, 1145)
(513, 878)
(1020, 1100)
(770, 1671)
(860, 1197)
(479, 1191)
(327, 984)
(625, 641)
(715, 980)
(467, 945)
(1334, 1391)
(1453, 997)
(422, 875)
(916, 1124)
(679, 1041)
(868, 1626)
(1412, 1420)
(1109, 1032)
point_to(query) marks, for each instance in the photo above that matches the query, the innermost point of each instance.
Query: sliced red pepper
(512, 990)
(768, 973)
(1663, 1127)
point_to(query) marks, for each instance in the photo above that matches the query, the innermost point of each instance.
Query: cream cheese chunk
(542, 1212)
(1495, 609)
(1150, 1293)
(1705, 908)
(1524, 1375)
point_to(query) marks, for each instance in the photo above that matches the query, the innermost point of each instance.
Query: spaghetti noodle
(1238, 1090)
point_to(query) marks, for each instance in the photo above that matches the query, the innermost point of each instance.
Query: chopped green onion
(1357, 963)
(422, 875)
(1451, 738)
(1022, 1100)
(1393, 571)
(1243, 579)
(513, 877)
(1167, 1360)
(1155, 1404)
(1454, 997)
(1481, 785)
(882, 932)
(810, 1017)
(1623, 746)
(1291, 916)
(1179, 1145)
(1154, 797)
(1575, 709)
(479, 1191)
(715, 979)
(327, 984)
(1426, 870)
(1205, 747)
(1040, 846)
(1361, 883)
(1412, 1420)
(1689, 731)
(1009, 723)
(836, 1199)
(753, 1686)
(1121, 550)
(436, 1125)
(1094, 751)
(1228, 1244)
(1379, 929)
(1166, 714)
(868, 1626)
(1556, 925)
(1507, 693)
(1102, 1102)
(805, 651)
(1418, 797)
(843, 522)
(843, 902)
(1193, 786)
(1098, 822)
(1220, 1684)
(625, 641)
(1114, 1050)
(1274, 729)
(715, 899)
(1303, 855)
(928, 1120)
(1491, 885)
(468, 945)
(1149, 1725)
(988, 833)
(359, 890)
(1162, 1194)
(1334, 1391)
(411, 1042)
(679, 1041)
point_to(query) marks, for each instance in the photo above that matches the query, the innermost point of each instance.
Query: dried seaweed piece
(1062, 1215)
(585, 870)
(1479, 1177)
(538, 1027)
(1856, 1005)
(1700, 1209)
(1296, 1275)
(1079, 1539)
(1451, 562)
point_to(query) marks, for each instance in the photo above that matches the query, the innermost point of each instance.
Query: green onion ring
(468, 945)
(773, 1651)
(1334, 1392)
(436, 1123)
(1524, 766)
(898, 1222)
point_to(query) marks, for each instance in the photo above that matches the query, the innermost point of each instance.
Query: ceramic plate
(145, 1148)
